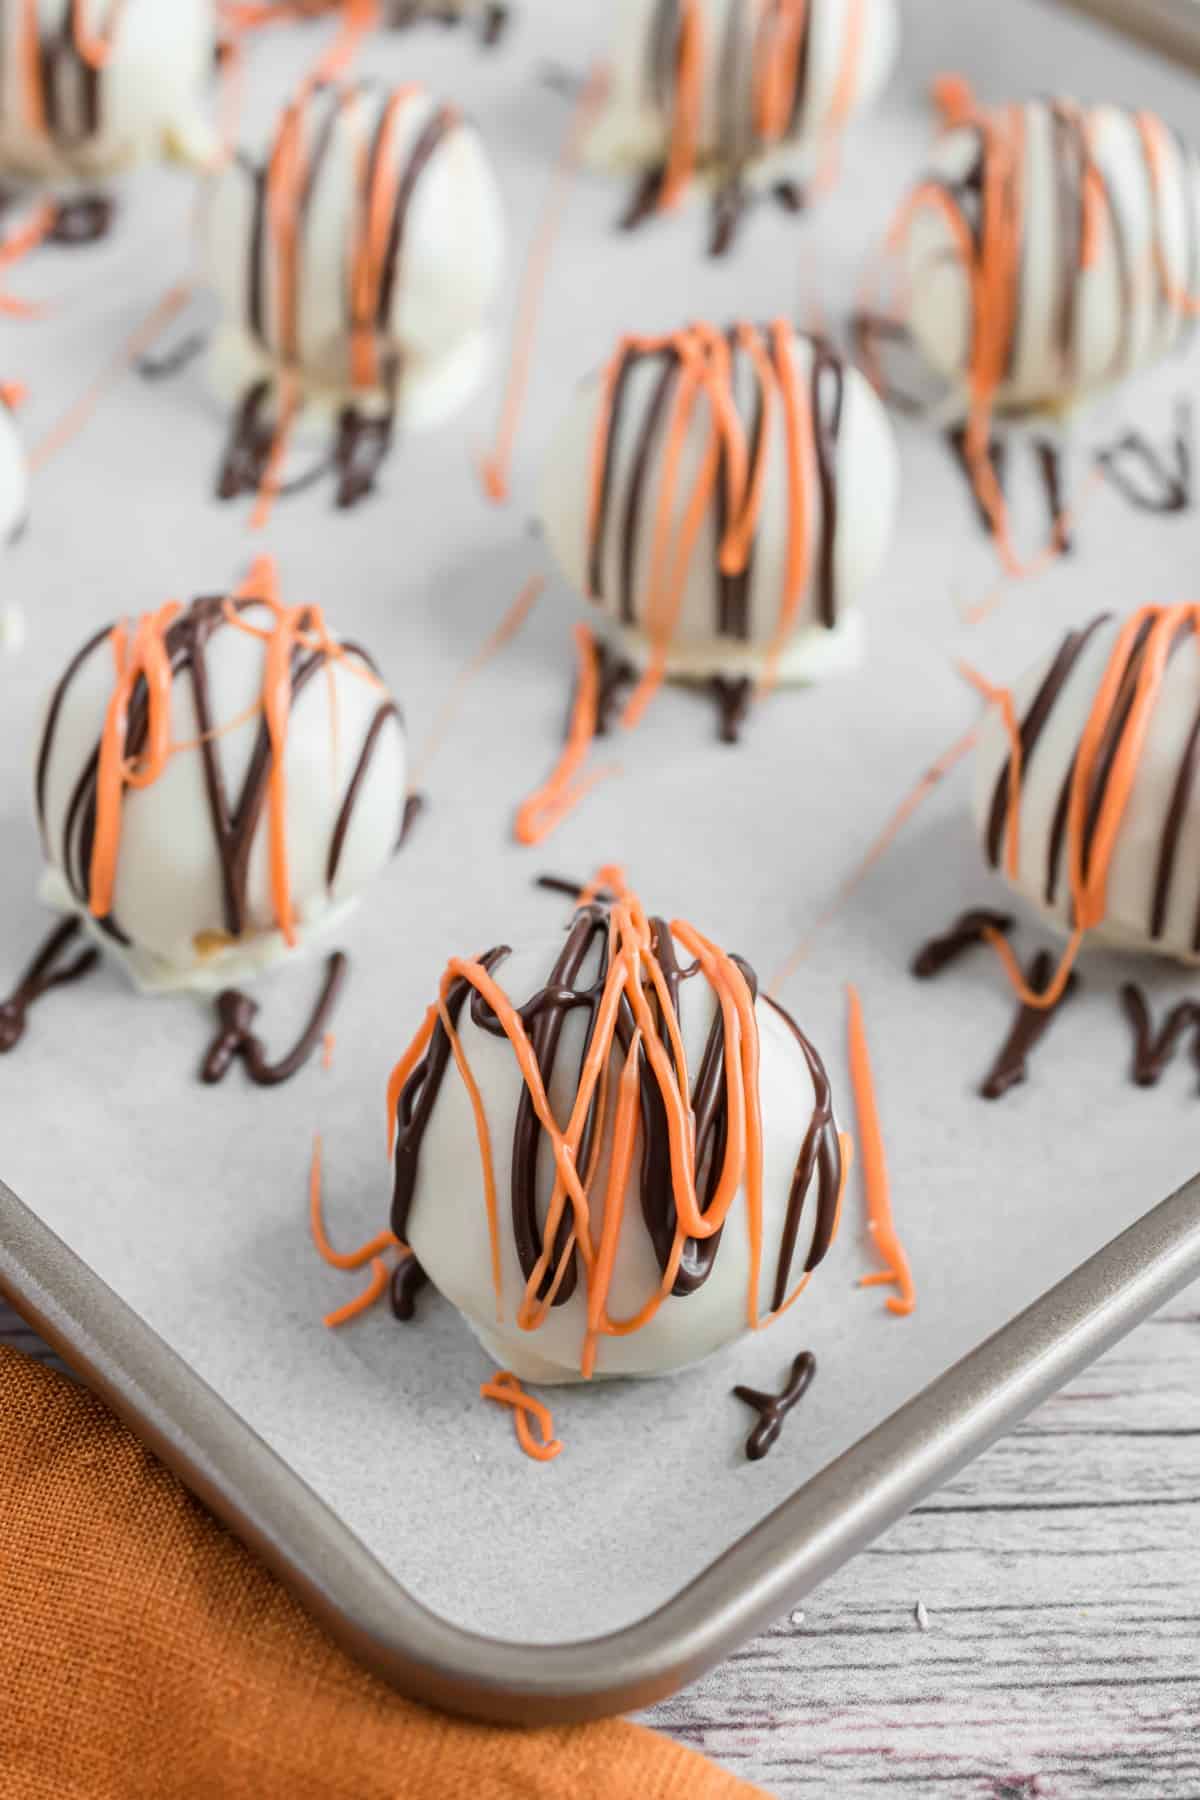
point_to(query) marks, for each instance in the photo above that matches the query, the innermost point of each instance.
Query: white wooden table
(1058, 1651)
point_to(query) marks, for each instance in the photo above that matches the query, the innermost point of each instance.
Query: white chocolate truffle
(1147, 890)
(198, 898)
(362, 255)
(815, 527)
(772, 84)
(1087, 270)
(105, 86)
(723, 1281)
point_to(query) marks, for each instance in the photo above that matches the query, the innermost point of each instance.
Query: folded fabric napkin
(144, 1651)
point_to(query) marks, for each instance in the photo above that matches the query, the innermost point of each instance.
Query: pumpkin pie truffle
(723, 499)
(358, 260)
(216, 785)
(612, 1152)
(1051, 250)
(748, 97)
(89, 88)
(1086, 784)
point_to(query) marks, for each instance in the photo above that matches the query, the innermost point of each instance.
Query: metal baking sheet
(1171, 26)
(183, 1280)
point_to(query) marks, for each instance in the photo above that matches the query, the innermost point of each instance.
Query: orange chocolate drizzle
(766, 49)
(984, 212)
(1098, 784)
(135, 746)
(701, 1139)
(394, 15)
(881, 1222)
(700, 366)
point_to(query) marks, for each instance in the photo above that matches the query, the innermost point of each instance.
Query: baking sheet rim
(222, 1460)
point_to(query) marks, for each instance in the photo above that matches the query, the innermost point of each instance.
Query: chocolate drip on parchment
(773, 1409)
(235, 820)
(1153, 1051)
(1048, 460)
(1031, 1024)
(1149, 479)
(46, 971)
(1011, 1067)
(969, 930)
(86, 219)
(543, 1016)
(236, 1039)
(408, 1280)
(733, 695)
(493, 21)
(414, 806)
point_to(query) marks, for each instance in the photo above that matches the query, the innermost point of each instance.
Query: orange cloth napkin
(144, 1652)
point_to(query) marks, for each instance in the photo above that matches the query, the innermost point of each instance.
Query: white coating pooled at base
(154, 89)
(1134, 867)
(431, 392)
(1120, 319)
(167, 896)
(447, 1226)
(634, 132)
(867, 480)
(448, 270)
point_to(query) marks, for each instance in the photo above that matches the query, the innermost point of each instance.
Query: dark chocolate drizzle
(773, 1409)
(1050, 465)
(544, 1015)
(408, 1279)
(234, 823)
(494, 19)
(249, 446)
(968, 930)
(86, 219)
(956, 439)
(414, 806)
(45, 972)
(173, 361)
(1148, 479)
(616, 676)
(1154, 1051)
(733, 696)
(235, 1037)
(1011, 1067)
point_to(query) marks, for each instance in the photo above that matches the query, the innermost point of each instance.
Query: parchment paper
(192, 1203)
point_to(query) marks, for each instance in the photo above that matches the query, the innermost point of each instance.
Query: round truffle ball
(774, 572)
(1086, 768)
(1081, 266)
(772, 83)
(88, 91)
(230, 853)
(441, 1208)
(362, 254)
